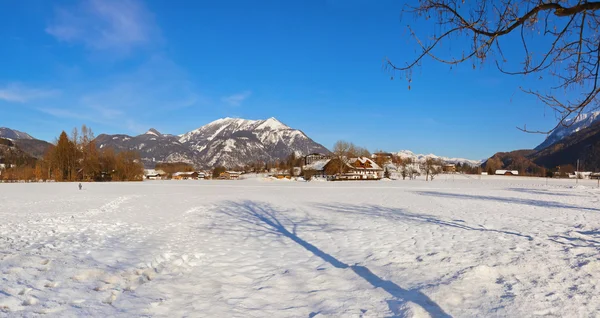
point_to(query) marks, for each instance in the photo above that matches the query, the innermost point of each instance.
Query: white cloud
(119, 26)
(236, 99)
(155, 88)
(20, 94)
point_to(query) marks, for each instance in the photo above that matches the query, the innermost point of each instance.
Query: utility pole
(577, 173)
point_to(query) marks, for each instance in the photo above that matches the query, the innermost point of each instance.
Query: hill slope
(33, 147)
(584, 145)
(13, 134)
(571, 126)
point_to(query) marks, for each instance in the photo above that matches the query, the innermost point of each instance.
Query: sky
(124, 66)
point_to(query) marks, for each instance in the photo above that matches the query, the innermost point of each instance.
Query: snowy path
(449, 248)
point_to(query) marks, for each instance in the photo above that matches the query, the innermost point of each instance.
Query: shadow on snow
(396, 214)
(531, 202)
(542, 192)
(262, 217)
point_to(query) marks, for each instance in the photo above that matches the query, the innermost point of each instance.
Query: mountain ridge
(230, 142)
(421, 158)
(570, 127)
(13, 134)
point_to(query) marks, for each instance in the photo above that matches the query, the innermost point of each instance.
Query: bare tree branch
(560, 40)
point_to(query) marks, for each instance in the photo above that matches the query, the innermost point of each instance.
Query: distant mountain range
(228, 142)
(233, 142)
(421, 158)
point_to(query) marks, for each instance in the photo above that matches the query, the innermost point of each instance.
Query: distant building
(583, 175)
(281, 175)
(152, 174)
(387, 156)
(361, 168)
(507, 173)
(315, 168)
(309, 159)
(230, 175)
(449, 168)
(185, 175)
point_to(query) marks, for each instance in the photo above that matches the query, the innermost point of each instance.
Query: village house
(152, 174)
(361, 168)
(230, 175)
(185, 175)
(282, 175)
(450, 167)
(309, 159)
(315, 169)
(385, 156)
(507, 173)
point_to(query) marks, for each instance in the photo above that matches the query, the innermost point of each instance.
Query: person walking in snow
(80, 186)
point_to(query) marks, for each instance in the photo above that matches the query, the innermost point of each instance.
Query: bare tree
(559, 39)
(341, 151)
(431, 167)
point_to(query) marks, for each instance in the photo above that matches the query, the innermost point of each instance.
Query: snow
(317, 165)
(229, 145)
(271, 124)
(461, 246)
(153, 132)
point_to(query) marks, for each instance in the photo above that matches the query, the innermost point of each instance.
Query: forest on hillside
(72, 158)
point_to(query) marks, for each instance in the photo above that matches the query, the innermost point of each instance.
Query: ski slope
(454, 247)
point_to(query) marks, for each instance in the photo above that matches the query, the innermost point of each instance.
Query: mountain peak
(14, 134)
(273, 124)
(153, 131)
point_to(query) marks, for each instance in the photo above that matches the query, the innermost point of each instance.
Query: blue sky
(125, 66)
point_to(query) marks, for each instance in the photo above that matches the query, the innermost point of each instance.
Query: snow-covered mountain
(13, 134)
(573, 125)
(233, 142)
(229, 142)
(420, 158)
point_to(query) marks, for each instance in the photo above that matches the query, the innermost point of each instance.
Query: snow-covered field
(461, 247)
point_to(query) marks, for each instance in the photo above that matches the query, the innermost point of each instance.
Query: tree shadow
(582, 239)
(403, 216)
(542, 192)
(265, 218)
(531, 202)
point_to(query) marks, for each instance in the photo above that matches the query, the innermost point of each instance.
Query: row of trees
(76, 158)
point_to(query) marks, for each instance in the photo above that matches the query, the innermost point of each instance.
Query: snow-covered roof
(183, 174)
(317, 165)
(505, 171)
(364, 161)
(153, 172)
(233, 172)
